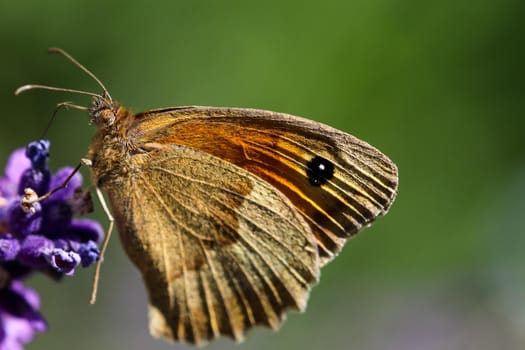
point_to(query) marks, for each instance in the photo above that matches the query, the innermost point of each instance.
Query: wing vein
(182, 253)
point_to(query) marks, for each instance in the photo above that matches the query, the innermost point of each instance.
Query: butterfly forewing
(283, 150)
(219, 249)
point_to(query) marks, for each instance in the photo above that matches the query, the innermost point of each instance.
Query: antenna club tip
(22, 89)
(54, 50)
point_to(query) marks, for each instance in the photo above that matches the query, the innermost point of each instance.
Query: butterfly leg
(104, 245)
(30, 197)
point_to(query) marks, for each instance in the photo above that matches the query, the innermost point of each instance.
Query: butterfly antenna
(79, 65)
(28, 87)
(105, 96)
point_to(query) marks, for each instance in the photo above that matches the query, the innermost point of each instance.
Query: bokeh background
(439, 86)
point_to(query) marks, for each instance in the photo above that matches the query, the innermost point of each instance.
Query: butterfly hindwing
(220, 250)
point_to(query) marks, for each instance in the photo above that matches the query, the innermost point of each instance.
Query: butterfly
(229, 213)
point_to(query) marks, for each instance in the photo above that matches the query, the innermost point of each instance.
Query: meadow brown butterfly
(229, 213)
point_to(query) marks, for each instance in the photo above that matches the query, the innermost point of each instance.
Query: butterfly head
(103, 111)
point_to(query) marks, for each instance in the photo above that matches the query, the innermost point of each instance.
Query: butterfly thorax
(110, 148)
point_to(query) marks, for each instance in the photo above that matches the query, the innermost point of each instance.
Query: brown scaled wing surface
(277, 147)
(217, 211)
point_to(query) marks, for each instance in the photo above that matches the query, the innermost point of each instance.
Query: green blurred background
(439, 86)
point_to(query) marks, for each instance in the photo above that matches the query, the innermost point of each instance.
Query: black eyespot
(319, 170)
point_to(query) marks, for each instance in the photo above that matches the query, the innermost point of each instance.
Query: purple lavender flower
(19, 316)
(44, 239)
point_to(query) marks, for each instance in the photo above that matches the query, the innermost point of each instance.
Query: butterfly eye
(102, 111)
(107, 117)
(319, 170)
